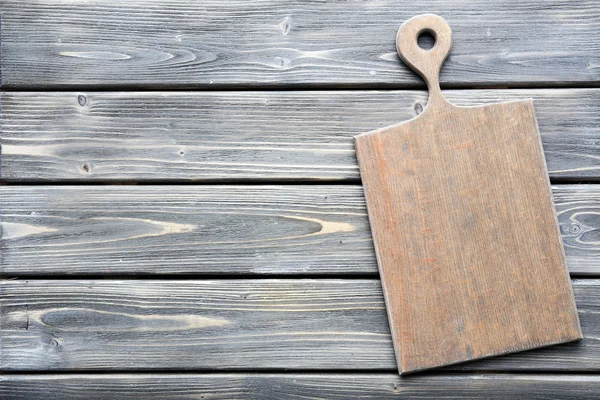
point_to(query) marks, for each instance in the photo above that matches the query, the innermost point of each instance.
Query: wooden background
(181, 211)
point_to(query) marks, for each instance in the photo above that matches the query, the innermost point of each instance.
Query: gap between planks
(99, 88)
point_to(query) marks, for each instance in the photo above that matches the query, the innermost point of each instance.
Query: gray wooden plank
(216, 136)
(157, 43)
(291, 230)
(298, 386)
(232, 324)
(184, 229)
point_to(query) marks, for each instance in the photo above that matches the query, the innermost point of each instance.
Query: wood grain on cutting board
(464, 227)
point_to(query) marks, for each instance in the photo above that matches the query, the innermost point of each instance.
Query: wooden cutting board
(465, 231)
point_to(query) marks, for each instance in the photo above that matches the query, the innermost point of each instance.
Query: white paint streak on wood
(120, 321)
(17, 230)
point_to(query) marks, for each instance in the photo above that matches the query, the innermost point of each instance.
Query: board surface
(222, 230)
(464, 227)
(292, 43)
(277, 386)
(246, 324)
(231, 136)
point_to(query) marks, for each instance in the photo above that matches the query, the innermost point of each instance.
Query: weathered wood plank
(234, 324)
(158, 43)
(185, 229)
(222, 230)
(298, 386)
(109, 136)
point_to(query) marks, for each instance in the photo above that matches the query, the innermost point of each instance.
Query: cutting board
(463, 222)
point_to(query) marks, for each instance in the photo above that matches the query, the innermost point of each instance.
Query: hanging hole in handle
(426, 39)
(426, 63)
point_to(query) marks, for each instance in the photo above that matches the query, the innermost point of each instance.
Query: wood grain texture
(231, 324)
(158, 43)
(217, 136)
(463, 224)
(184, 229)
(298, 386)
(212, 230)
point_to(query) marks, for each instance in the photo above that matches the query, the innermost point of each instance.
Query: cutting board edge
(579, 337)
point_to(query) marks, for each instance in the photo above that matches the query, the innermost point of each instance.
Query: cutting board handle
(426, 62)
